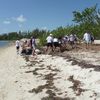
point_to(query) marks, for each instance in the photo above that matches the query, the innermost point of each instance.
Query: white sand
(91, 57)
(15, 84)
(90, 80)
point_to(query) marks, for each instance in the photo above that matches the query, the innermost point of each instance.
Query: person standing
(56, 43)
(33, 45)
(87, 39)
(17, 46)
(72, 40)
(92, 38)
(49, 42)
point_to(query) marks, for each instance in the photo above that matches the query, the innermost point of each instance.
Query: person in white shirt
(87, 39)
(17, 46)
(49, 42)
(56, 43)
(72, 40)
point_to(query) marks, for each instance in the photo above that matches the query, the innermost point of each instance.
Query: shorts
(17, 47)
(49, 45)
(56, 44)
(71, 42)
(87, 41)
(33, 46)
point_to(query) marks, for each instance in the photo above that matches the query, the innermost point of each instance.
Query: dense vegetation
(87, 20)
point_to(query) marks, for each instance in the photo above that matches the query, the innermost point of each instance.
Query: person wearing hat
(49, 40)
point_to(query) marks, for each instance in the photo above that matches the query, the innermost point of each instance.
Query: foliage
(89, 15)
(87, 20)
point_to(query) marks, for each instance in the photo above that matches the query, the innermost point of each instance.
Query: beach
(49, 77)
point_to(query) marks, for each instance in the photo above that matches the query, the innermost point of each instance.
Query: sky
(26, 15)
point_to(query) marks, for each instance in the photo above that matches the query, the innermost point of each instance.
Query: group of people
(54, 42)
(72, 39)
(27, 46)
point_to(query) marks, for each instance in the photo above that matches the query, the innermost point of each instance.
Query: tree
(89, 15)
(88, 20)
(35, 33)
(13, 36)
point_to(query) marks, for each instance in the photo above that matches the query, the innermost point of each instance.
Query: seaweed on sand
(76, 85)
(50, 87)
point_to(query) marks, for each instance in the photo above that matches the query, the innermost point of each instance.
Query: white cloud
(6, 22)
(20, 19)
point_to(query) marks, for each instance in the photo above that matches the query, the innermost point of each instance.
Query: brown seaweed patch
(94, 94)
(28, 71)
(49, 84)
(50, 76)
(49, 67)
(41, 61)
(34, 71)
(50, 88)
(82, 64)
(41, 87)
(60, 93)
(29, 65)
(51, 93)
(34, 62)
(26, 58)
(76, 86)
(57, 98)
(42, 65)
(38, 89)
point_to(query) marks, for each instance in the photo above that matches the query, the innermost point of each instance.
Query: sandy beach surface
(48, 77)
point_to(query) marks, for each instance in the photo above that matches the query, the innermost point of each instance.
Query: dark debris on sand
(55, 70)
(35, 71)
(76, 86)
(49, 84)
(56, 98)
(82, 64)
(51, 89)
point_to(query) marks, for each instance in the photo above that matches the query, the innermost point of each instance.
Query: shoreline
(10, 43)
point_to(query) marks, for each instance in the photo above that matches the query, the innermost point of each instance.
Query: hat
(50, 34)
